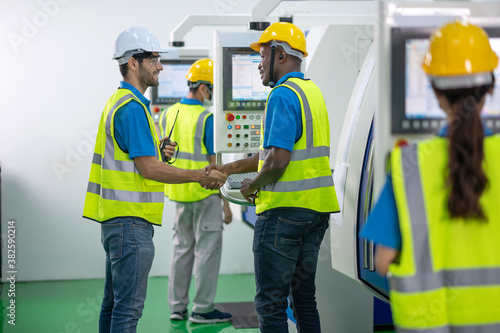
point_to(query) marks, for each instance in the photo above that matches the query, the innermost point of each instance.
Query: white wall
(57, 75)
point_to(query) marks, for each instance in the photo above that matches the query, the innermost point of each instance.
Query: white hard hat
(135, 40)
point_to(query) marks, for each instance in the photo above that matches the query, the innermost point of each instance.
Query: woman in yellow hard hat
(437, 221)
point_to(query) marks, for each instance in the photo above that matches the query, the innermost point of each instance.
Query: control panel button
(229, 117)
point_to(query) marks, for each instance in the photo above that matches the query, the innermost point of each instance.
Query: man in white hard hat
(126, 183)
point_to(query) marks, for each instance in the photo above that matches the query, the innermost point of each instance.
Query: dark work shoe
(179, 315)
(215, 316)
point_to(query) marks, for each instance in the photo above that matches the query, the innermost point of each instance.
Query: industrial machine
(239, 102)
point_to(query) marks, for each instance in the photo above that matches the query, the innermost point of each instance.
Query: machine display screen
(242, 85)
(412, 91)
(173, 83)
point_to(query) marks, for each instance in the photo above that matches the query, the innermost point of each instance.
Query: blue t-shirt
(132, 131)
(283, 116)
(208, 136)
(382, 226)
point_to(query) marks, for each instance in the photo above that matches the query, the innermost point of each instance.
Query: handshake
(208, 177)
(214, 176)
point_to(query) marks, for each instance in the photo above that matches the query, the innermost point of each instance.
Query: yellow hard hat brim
(255, 46)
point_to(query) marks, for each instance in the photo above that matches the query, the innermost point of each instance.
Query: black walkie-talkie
(167, 140)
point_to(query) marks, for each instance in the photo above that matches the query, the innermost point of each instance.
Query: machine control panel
(242, 131)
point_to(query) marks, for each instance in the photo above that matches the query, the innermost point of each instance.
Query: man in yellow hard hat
(126, 183)
(198, 222)
(293, 191)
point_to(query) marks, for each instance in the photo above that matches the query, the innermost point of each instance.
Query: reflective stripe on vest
(126, 192)
(316, 190)
(493, 328)
(301, 155)
(188, 133)
(425, 299)
(119, 195)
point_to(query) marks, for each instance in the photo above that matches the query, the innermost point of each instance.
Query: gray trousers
(197, 251)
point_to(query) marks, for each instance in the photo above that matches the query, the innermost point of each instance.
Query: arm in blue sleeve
(382, 226)
(208, 137)
(283, 119)
(132, 131)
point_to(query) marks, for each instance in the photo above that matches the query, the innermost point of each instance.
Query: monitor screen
(242, 85)
(173, 83)
(415, 108)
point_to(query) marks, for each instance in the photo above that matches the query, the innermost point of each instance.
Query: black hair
(140, 57)
(466, 176)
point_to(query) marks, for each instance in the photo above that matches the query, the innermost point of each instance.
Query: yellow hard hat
(201, 70)
(284, 32)
(459, 48)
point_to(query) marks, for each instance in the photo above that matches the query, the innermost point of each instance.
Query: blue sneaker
(179, 315)
(210, 318)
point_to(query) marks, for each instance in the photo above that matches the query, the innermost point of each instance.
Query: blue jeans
(128, 242)
(286, 245)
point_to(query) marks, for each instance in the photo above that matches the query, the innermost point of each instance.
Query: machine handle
(233, 199)
(369, 246)
(225, 193)
(365, 254)
(371, 261)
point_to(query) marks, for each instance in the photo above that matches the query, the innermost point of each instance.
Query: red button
(229, 117)
(244, 117)
(401, 143)
(229, 135)
(237, 126)
(156, 109)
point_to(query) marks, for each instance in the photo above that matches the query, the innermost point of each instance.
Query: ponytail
(466, 178)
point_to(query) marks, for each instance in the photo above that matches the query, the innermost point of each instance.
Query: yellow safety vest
(448, 275)
(193, 155)
(307, 182)
(116, 188)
